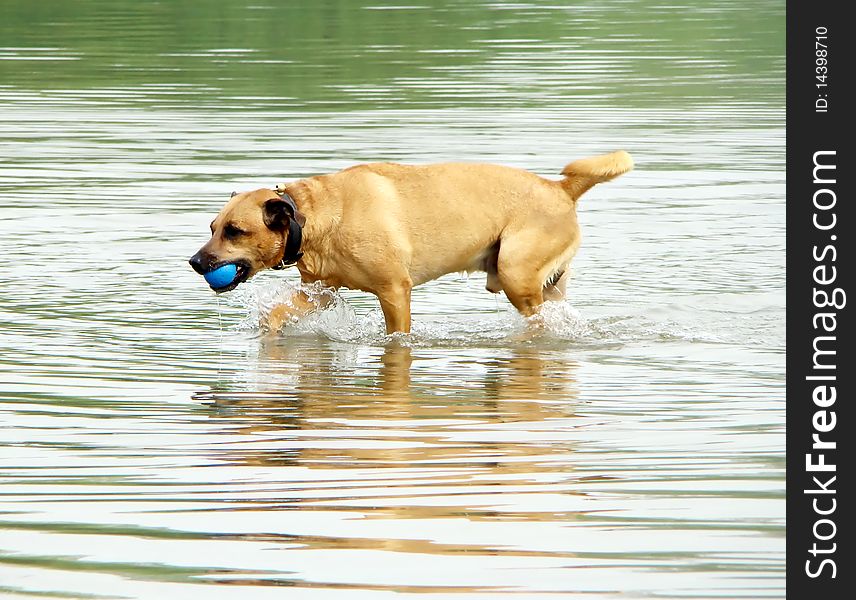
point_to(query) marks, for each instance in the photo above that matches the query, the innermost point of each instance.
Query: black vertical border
(810, 131)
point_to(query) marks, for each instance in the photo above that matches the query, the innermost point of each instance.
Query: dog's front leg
(395, 303)
(298, 306)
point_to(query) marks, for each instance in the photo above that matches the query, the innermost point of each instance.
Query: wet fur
(385, 228)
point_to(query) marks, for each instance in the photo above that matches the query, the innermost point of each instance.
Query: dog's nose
(197, 263)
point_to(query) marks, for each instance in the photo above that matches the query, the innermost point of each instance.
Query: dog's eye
(231, 232)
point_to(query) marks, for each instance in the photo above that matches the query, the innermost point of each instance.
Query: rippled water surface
(156, 445)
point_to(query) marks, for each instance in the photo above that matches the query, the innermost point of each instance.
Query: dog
(385, 228)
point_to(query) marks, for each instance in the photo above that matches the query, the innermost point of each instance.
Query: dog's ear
(277, 212)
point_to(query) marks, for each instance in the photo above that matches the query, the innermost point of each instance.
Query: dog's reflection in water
(361, 395)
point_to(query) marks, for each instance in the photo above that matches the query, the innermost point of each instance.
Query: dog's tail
(581, 175)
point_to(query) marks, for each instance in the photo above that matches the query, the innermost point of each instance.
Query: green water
(154, 445)
(358, 55)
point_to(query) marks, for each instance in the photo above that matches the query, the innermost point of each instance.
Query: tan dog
(385, 228)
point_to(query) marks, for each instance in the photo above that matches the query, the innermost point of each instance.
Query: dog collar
(291, 254)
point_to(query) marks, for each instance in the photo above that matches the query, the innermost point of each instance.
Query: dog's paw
(279, 316)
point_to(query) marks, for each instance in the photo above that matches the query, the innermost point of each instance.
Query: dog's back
(448, 217)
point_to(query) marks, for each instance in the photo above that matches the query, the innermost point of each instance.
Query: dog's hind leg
(521, 285)
(526, 296)
(531, 267)
(556, 286)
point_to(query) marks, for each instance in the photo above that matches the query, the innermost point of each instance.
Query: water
(157, 445)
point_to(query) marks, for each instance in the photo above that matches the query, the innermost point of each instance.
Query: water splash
(560, 319)
(557, 322)
(339, 321)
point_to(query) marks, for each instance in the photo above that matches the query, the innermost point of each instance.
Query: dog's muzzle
(205, 264)
(200, 263)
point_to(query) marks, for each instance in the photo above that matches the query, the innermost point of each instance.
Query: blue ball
(221, 276)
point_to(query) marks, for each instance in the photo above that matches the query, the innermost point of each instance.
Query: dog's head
(250, 232)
